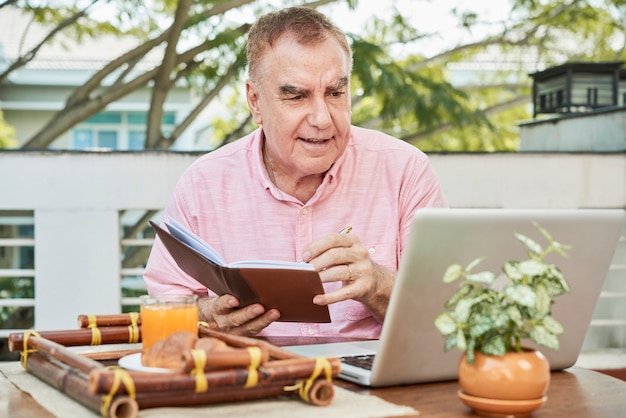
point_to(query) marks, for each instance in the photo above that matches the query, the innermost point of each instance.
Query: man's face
(303, 102)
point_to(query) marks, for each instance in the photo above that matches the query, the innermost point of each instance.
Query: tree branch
(162, 80)
(30, 55)
(444, 127)
(232, 71)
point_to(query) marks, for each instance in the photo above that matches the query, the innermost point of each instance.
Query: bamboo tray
(266, 370)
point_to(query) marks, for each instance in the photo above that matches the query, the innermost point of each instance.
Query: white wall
(598, 131)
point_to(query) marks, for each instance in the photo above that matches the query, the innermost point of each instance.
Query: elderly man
(284, 191)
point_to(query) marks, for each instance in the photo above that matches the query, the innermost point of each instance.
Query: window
(117, 130)
(107, 139)
(136, 140)
(83, 138)
(17, 270)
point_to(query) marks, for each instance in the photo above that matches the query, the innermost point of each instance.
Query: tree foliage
(7, 133)
(408, 94)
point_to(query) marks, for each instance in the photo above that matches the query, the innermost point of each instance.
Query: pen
(346, 230)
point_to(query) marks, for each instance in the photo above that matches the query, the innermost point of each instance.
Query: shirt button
(305, 211)
(311, 331)
(372, 251)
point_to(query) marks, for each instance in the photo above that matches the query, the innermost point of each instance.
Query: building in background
(32, 95)
(578, 107)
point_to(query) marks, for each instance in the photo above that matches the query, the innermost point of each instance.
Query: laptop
(410, 348)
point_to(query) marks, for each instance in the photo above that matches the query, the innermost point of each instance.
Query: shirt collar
(257, 153)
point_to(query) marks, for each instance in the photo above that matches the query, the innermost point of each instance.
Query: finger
(258, 324)
(328, 243)
(349, 291)
(244, 315)
(224, 304)
(343, 272)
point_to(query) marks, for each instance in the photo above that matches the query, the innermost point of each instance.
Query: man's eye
(299, 97)
(337, 93)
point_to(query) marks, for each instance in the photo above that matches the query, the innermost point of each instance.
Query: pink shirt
(227, 198)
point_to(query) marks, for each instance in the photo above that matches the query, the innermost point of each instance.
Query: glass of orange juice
(161, 316)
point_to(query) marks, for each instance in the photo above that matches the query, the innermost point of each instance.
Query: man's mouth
(313, 140)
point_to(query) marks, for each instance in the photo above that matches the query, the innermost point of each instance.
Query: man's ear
(252, 96)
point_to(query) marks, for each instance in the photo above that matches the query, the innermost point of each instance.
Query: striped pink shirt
(227, 198)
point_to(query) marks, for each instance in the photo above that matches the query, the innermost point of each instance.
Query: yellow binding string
(119, 376)
(133, 328)
(96, 336)
(25, 350)
(92, 321)
(303, 386)
(255, 362)
(199, 361)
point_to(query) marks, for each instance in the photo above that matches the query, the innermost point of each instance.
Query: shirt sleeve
(162, 275)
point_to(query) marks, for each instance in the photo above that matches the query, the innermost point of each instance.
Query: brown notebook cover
(291, 291)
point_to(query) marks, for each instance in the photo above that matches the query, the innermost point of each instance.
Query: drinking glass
(161, 316)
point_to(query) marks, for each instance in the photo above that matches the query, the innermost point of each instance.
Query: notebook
(410, 348)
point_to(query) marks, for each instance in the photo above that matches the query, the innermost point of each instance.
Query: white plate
(133, 362)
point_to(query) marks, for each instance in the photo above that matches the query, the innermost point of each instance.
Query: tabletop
(574, 392)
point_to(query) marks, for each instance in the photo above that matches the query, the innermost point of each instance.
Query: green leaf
(473, 264)
(458, 295)
(553, 326)
(515, 315)
(529, 243)
(479, 324)
(485, 277)
(544, 232)
(542, 336)
(453, 273)
(532, 268)
(461, 343)
(445, 323)
(561, 248)
(511, 270)
(494, 346)
(462, 309)
(544, 302)
(469, 354)
(450, 342)
(522, 294)
(501, 319)
(555, 286)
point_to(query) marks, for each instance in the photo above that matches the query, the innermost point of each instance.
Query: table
(574, 392)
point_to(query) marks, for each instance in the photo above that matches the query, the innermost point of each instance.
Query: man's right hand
(223, 314)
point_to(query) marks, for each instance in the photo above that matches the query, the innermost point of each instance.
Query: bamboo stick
(285, 371)
(83, 336)
(126, 319)
(236, 357)
(240, 341)
(74, 384)
(320, 393)
(63, 354)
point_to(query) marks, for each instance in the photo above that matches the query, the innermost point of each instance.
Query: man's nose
(319, 115)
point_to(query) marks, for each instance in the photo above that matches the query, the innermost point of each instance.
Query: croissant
(168, 353)
(171, 352)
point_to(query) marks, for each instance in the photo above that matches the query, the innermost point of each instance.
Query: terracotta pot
(514, 376)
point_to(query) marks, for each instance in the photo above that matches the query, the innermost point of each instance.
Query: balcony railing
(80, 204)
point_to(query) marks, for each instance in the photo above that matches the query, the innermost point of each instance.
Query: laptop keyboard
(362, 361)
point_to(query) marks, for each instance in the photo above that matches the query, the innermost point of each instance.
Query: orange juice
(162, 316)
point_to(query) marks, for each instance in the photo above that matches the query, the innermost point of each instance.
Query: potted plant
(490, 316)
